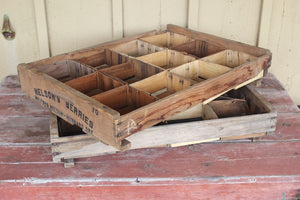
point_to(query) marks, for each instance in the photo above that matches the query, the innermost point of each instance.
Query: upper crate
(117, 89)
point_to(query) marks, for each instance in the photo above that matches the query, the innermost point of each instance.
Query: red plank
(273, 91)
(11, 110)
(10, 84)
(203, 160)
(24, 130)
(287, 128)
(4, 90)
(11, 81)
(279, 189)
(281, 101)
(278, 166)
(7, 99)
(25, 154)
(201, 153)
(270, 82)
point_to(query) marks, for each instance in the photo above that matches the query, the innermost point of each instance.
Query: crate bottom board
(247, 122)
(86, 146)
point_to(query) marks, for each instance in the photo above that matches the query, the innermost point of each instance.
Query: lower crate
(238, 114)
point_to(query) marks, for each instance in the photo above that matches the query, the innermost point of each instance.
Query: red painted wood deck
(268, 169)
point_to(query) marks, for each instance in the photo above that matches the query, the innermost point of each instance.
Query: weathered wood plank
(215, 160)
(20, 105)
(173, 134)
(24, 129)
(287, 128)
(231, 188)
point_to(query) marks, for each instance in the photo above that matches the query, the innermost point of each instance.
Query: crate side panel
(218, 41)
(69, 104)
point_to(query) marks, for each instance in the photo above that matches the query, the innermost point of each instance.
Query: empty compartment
(167, 59)
(136, 48)
(167, 39)
(93, 84)
(97, 60)
(230, 58)
(239, 103)
(234, 103)
(65, 129)
(199, 70)
(124, 99)
(133, 71)
(256, 103)
(66, 70)
(103, 59)
(230, 107)
(198, 48)
(163, 84)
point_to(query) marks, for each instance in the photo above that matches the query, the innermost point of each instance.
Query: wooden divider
(199, 70)
(132, 71)
(167, 59)
(97, 60)
(198, 48)
(167, 39)
(136, 48)
(94, 83)
(163, 84)
(230, 58)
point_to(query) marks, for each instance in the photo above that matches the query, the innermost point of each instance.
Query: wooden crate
(82, 87)
(236, 115)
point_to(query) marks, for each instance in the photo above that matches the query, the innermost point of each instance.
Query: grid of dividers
(134, 74)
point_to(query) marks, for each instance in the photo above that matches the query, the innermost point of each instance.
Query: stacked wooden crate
(116, 91)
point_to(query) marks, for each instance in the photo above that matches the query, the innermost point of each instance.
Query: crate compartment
(198, 48)
(124, 99)
(167, 59)
(136, 48)
(199, 70)
(125, 52)
(230, 58)
(98, 60)
(163, 84)
(66, 70)
(133, 71)
(93, 84)
(65, 129)
(106, 58)
(230, 107)
(167, 39)
(234, 103)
